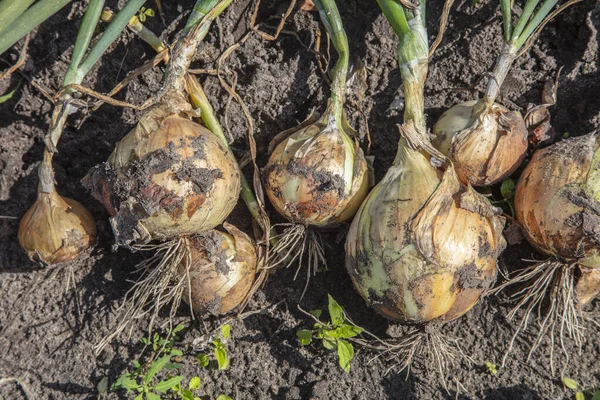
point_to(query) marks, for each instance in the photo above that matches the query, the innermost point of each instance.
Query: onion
(221, 271)
(486, 143)
(423, 247)
(168, 177)
(557, 200)
(56, 229)
(318, 175)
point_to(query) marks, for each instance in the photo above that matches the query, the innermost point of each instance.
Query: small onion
(557, 200)
(486, 144)
(423, 246)
(168, 177)
(317, 175)
(222, 270)
(56, 229)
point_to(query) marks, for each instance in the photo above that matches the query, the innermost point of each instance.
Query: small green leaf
(187, 395)
(163, 386)
(335, 311)
(305, 336)
(222, 360)
(317, 313)
(566, 135)
(202, 359)
(149, 12)
(102, 386)
(346, 331)
(570, 383)
(194, 383)
(10, 94)
(136, 364)
(596, 395)
(125, 382)
(226, 331)
(176, 352)
(329, 344)
(579, 396)
(179, 327)
(152, 396)
(345, 352)
(139, 397)
(155, 367)
(507, 189)
(223, 397)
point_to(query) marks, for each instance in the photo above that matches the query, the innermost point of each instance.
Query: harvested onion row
(422, 248)
(171, 179)
(486, 141)
(557, 202)
(57, 229)
(316, 175)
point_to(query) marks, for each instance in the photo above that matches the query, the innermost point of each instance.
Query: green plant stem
(84, 37)
(147, 35)
(394, 12)
(199, 100)
(113, 30)
(413, 56)
(10, 10)
(537, 19)
(506, 19)
(183, 52)
(201, 8)
(35, 15)
(530, 6)
(333, 23)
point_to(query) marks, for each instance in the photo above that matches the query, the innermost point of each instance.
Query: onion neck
(501, 69)
(413, 56)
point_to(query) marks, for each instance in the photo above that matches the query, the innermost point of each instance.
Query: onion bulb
(487, 144)
(317, 175)
(423, 246)
(221, 271)
(557, 200)
(168, 177)
(56, 229)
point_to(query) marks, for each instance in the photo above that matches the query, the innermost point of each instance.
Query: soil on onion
(48, 333)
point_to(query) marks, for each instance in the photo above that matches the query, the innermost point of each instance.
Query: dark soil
(47, 333)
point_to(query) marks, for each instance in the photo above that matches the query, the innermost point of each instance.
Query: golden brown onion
(423, 246)
(56, 229)
(557, 200)
(485, 145)
(317, 175)
(222, 270)
(168, 177)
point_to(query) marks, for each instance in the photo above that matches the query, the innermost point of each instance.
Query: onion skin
(486, 146)
(317, 175)
(423, 247)
(56, 229)
(168, 177)
(556, 200)
(222, 270)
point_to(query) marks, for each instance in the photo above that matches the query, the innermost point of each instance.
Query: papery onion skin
(308, 179)
(414, 253)
(555, 200)
(486, 146)
(168, 177)
(222, 270)
(56, 229)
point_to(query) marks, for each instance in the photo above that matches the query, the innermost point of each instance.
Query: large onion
(168, 177)
(317, 175)
(487, 144)
(221, 272)
(423, 246)
(56, 229)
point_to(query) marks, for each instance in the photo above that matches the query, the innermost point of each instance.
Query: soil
(48, 330)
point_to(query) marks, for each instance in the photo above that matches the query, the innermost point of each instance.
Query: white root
(160, 283)
(294, 244)
(549, 294)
